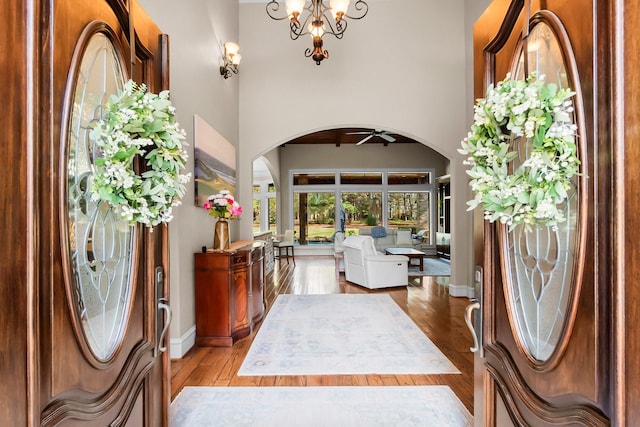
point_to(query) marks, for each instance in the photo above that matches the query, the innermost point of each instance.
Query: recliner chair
(364, 266)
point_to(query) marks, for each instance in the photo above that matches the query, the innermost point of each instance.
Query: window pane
(368, 178)
(410, 210)
(362, 210)
(256, 215)
(314, 217)
(314, 179)
(272, 213)
(407, 178)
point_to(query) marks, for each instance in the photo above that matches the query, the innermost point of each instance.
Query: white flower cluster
(528, 193)
(139, 123)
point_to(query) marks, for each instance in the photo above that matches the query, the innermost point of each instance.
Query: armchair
(364, 266)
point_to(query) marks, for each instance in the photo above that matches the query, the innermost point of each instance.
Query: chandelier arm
(360, 6)
(338, 30)
(298, 29)
(274, 7)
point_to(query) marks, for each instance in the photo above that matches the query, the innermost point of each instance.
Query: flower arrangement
(530, 194)
(137, 122)
(223, 205)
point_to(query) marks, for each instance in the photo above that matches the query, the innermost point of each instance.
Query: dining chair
(286, 243)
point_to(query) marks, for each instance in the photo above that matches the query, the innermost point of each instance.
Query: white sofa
(365, 266)
(390, 241)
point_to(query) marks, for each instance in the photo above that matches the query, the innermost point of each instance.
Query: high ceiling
(344, 136)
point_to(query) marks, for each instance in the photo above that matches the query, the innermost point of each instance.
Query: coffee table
(408, 252)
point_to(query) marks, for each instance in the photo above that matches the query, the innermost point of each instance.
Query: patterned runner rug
(341, 334)
(319, 406)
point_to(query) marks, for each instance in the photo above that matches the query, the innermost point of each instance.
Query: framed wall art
(215, 161)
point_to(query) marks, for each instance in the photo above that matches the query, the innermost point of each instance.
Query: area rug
(341, 334)
(319, 406)
(432, 267)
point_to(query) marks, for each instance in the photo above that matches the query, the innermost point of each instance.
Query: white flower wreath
(134, 120)
(532, 193)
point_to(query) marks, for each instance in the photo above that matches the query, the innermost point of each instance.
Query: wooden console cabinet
(229, 293)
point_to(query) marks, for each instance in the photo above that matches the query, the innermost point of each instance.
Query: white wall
(197, 29)
(402, 68)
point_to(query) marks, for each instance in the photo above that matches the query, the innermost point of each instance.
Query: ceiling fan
(374, 132)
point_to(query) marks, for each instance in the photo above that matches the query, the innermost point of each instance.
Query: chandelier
(317, 19)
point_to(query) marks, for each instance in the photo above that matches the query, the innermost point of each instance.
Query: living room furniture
(229, 293)
(390, 241)
(403, 238)
(409, 253)
(286, 243)
(365, 266)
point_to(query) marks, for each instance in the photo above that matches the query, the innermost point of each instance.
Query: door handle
(163, 306)
(468, 312)
(163, 313)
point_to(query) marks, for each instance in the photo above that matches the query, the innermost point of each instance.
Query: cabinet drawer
(239, 259)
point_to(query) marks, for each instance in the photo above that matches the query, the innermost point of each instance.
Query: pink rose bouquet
(223, 205)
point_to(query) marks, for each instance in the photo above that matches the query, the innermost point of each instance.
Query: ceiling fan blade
(365, 140)
(358, 133)
(387, 137)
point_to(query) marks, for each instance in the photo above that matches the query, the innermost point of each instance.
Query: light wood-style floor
(427, 302)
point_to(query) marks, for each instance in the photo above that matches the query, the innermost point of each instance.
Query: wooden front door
(548, 346)
(101, 288)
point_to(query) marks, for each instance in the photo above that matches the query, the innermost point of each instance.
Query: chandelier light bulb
(294, 8)
(316, 29)
(338, 8)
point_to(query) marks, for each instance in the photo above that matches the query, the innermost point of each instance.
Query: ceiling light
(316, 18)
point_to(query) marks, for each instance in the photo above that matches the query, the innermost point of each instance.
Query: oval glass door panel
(100, 246)
(539, 264)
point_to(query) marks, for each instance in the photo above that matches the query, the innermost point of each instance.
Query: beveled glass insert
(100, 246)
(540, 263)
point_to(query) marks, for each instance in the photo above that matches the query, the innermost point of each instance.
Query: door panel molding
(122, 393)
(549, 411)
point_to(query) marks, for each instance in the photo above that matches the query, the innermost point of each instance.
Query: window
(362, 209)
(410, 210)
(264, 207)
(389, 198)
(314, 179)
(363, 178)
(314, 217)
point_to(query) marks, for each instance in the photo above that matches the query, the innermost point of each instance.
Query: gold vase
(221, 235)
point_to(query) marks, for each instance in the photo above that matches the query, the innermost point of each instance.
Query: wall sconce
(231, 60)
(316, 18)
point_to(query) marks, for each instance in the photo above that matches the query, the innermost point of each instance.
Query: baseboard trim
(178, 347)
(461, 291)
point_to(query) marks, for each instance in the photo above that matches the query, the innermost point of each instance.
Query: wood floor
(427, 302)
